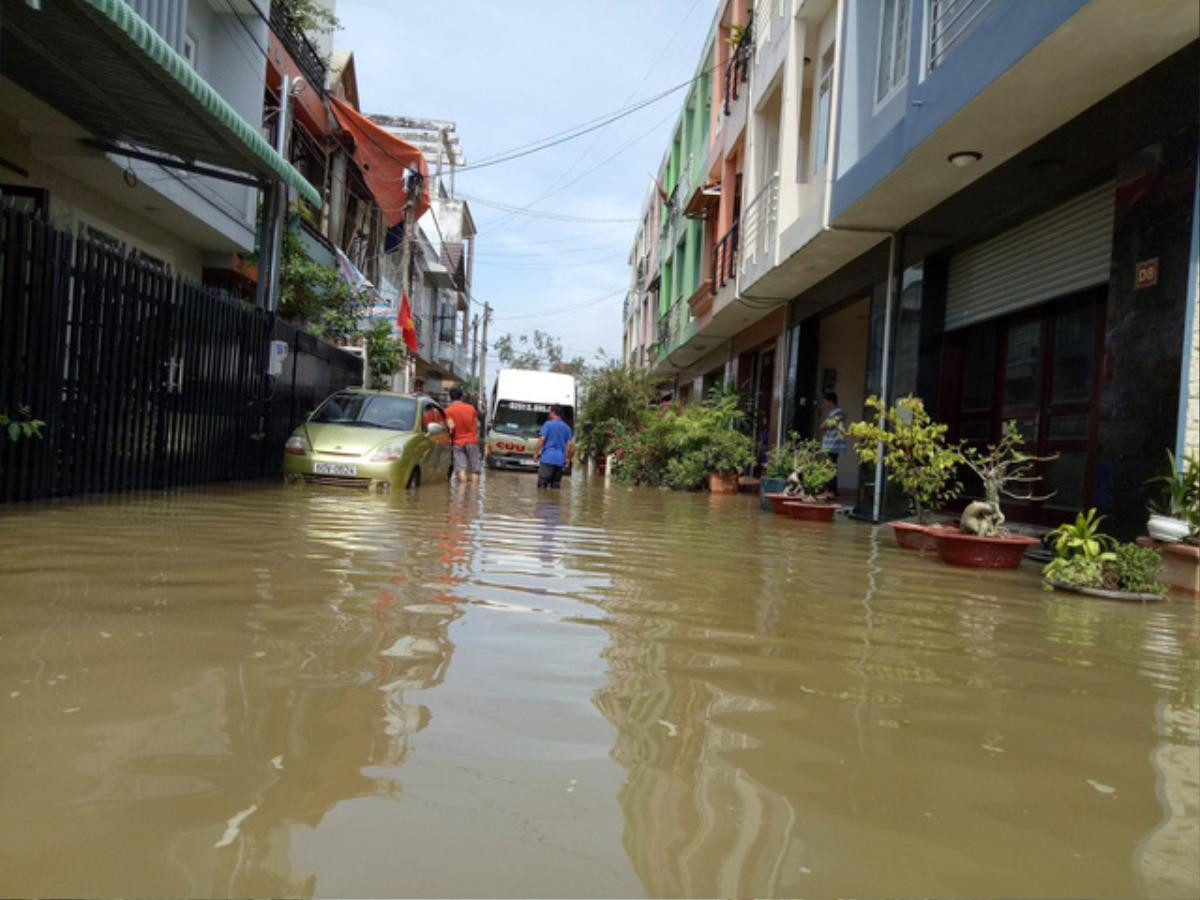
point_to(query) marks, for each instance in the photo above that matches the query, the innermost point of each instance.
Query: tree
(317, 295)
(616, 401)
(915, 451)
(541, 351)
(308, 16)
(385, 354)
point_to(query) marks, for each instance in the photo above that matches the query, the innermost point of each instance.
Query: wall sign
(1145, 274)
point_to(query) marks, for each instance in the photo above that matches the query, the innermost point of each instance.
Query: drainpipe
(885, 380)
(280, 195)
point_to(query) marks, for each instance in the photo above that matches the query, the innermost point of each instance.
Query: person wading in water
(463, 420)
(554, 450)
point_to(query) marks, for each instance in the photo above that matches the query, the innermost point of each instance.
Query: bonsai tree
(1182, 488)
(812, 470)
(1005, 470)
(919, 461)
(781, 459)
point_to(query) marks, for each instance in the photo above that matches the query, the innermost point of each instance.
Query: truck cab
(521, 401)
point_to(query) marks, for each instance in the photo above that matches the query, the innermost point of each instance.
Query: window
(893, 49)
(189, 50)
(824, 106)
(368, 410)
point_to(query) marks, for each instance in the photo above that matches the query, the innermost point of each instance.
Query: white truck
(521, 401)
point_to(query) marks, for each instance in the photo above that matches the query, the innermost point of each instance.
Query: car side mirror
(435, 428)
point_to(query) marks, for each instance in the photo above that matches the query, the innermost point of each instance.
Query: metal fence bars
(142, 379)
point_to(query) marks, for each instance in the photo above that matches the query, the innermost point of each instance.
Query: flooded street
(259, 690)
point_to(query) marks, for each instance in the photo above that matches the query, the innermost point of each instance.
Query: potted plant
(919, 461)
(781, 462)
(707, 444)
(1179, 518)
(981, 541)
(725, 453)
(1088, 562)
(1174, 526)
(806, 485)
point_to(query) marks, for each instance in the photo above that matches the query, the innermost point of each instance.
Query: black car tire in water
(414, 480)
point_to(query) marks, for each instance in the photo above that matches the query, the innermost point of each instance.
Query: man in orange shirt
(463, 420)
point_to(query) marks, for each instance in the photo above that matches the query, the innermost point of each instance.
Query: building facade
(989, 205)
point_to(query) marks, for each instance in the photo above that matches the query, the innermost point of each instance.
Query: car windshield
(524, 419)
(368, 411)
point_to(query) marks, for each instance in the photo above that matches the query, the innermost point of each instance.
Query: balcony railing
(724, 258)
(949, 21)
(759, 221)
(737, 68)
(300, 47)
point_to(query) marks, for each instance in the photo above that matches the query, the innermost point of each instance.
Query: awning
(383, 160)
(101, 65)
(703, 201)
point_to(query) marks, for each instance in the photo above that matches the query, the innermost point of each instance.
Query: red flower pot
(719, 483)
(777, 501)
(912, 536)
(977, 552)
(810, 512)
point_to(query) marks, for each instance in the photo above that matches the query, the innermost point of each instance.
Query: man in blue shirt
(554, 450)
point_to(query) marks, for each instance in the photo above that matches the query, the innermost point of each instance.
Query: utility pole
(483, 351)
(413, 188)
(475, 348)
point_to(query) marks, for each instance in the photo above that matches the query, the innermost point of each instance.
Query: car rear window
(369, 411)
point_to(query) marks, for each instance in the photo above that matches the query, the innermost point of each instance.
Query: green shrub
(918, 460)
(1136, 569)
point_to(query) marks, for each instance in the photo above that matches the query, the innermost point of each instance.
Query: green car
(370, 439)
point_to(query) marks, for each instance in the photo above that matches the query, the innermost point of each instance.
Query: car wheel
(414, 480)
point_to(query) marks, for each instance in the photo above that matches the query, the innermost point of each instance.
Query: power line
(578, 131)
(554, 188)
(556, 217)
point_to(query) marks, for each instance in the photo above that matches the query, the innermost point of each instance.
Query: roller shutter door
(1058, 252)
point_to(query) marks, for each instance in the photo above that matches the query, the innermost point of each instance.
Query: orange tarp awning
(383, 158)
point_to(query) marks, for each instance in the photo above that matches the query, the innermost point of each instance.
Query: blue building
(1021, 182)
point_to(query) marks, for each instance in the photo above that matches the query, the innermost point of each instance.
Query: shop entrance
(1039, 368)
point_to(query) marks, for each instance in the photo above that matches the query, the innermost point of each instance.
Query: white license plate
(334, 469)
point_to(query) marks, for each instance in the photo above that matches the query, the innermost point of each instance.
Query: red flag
(408, 328)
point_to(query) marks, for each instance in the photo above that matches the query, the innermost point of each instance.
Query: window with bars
(892, 71)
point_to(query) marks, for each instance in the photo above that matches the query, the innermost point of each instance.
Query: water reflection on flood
(603, 692)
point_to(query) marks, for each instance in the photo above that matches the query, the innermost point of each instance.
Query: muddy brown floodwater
(260, 690)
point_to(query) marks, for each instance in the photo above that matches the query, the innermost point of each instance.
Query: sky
(509, 72)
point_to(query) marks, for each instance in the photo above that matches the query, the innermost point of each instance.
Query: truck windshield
(368, 411)
(521, 419)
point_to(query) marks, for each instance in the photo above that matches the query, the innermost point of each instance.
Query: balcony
(300, 47)
(724, 257)
(950, 20)
(760, 224)
(737, 68)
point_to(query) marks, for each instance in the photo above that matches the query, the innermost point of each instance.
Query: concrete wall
(876, 137)
(230, 54)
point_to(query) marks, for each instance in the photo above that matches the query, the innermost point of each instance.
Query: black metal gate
(141, 378)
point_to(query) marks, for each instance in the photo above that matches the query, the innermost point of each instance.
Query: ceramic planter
(809, 512)
(1166, 528)
(913, 536)
(720, 483)
(1181, 565)
(973, 551)
(777, 502)
(1129, 596)
(771, 486)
